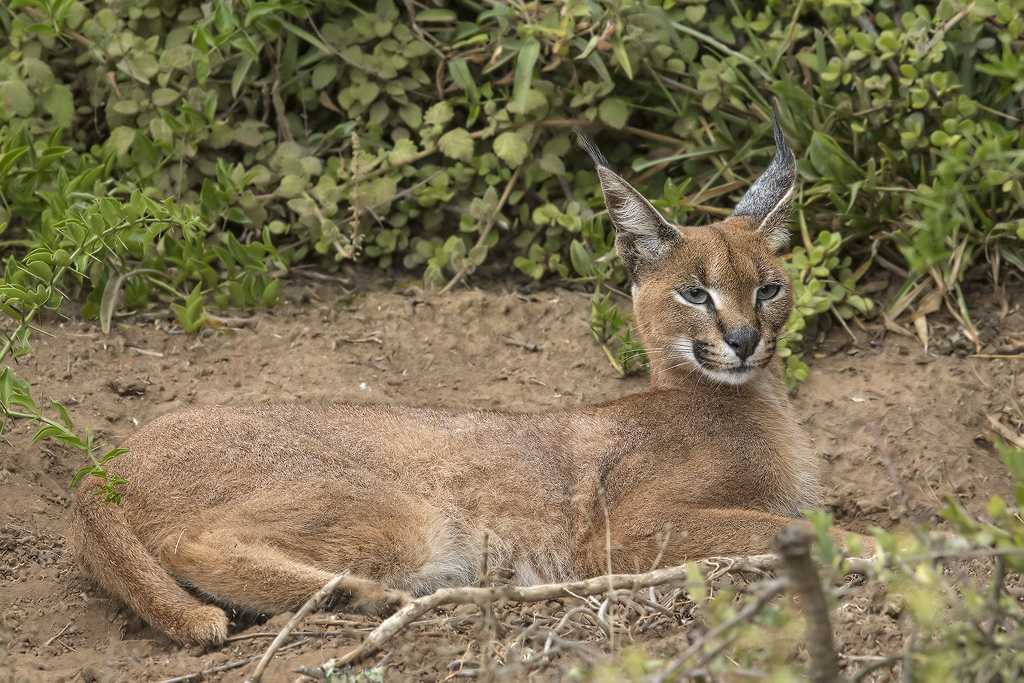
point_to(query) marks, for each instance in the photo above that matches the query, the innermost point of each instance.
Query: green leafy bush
(256, 135)
(363, 133)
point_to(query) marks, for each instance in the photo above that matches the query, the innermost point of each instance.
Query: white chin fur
(734, 377)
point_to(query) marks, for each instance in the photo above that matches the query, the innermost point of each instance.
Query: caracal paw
(375, 599)
(205, 626)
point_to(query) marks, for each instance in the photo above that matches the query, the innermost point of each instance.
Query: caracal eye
(695, 295)
(767, 292)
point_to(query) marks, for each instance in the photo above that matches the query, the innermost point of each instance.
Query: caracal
(257, 507)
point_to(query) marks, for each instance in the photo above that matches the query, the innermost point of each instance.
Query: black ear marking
(591, 148)
(768, 199)
(642, 233)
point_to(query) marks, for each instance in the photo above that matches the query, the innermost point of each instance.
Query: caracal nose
(743, 340)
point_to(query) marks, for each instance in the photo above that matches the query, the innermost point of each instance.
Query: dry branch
(226, 667)
(482, 596)
(794, 544)
(370, 337)
(768, 592)
(310, 605)
(715, 567)
(1005, 432)
(319, 634)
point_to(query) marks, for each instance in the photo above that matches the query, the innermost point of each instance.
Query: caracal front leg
(638, 536)
(235, 567)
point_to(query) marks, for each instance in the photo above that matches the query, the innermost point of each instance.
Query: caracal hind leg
(111, 553)
(235, 567)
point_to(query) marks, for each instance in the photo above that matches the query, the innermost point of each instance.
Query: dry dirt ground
(525, 350)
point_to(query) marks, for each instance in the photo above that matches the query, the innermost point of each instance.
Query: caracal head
(712, 298)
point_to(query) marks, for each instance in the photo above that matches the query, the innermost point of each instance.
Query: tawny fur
(258, 507)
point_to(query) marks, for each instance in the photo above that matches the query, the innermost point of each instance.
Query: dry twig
(227, 667)
(481, 596)
(310, 605)
(319, 634)
(370, 337)
(621, 588)
(768, 592)
(1005, 432)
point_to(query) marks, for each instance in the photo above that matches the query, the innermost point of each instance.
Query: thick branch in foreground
(793, 542)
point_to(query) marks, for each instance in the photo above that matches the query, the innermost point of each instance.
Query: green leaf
(439, 114)
(477, 255)
(165, 97)
(8, 159)
(269, 295)
(694, 13)
(41, 270)
(323, 75)
(534, 100)
(223, 18)
(1013, 458)
(237, 293)
(457, 144)
(59, 103)
(459, 71)
(367, 92)
(120, 140)
(614, 112)
(62, 411)
(87, 470)
(15, 99)
(534, 270)
(62, 258)
(260, 9)
(433, 278)
(404, 151)
(525, 61)
(239, 76)
(622, 57)
(6, 386)
(249, 134)
(580, 259)
(411, 114)
(109, 300)
(292, 186)
(144, 66)
(306, 36)
(511, 148)
(126, 107)
(435, 15)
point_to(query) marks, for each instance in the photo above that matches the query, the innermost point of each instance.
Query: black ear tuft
(592, 149)
(642, 234)
(768, 199)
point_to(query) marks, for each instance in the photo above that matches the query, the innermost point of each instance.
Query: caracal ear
(642, 234)
(768, 199)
